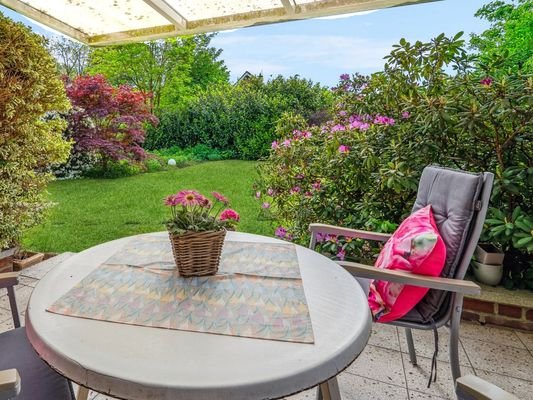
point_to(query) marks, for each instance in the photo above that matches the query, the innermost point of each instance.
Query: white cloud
(289, 53)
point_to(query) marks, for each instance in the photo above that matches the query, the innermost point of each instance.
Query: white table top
(139, 363)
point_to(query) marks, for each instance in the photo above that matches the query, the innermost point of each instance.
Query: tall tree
(508, 43)
(72, 57)
(171, 69)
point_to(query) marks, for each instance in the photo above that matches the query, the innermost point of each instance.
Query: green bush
(241, 118)
(29, 142)
(362, 170)
(115, 169)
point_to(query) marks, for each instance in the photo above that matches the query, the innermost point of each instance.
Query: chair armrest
(8, 279)
(337, 230)
(407, 278)
(9, 384)
(472, 387)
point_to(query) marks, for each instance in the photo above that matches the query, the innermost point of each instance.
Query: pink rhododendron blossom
(299, 176)
(229, 214)
(281, 232)
(258, 195)
(342, 113)
(220, 197)
(320, 237)
(308, 194)
(382, 120)
(406, 114)
(341, 254)
(306, 134)
(295, 189)
(274, 145)
(338, 127)
(286, 143)
(270, 191)
(486, 81)
(331, 238)
(265, 205)
(316, 185)
(344, 149)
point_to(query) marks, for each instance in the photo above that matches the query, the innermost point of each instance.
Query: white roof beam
(289, 5)
(167, 11)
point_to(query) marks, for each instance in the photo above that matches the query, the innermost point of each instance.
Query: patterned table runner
(258, 292)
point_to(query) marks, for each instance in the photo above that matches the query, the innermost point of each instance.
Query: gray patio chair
(459, 202)
(23, 375)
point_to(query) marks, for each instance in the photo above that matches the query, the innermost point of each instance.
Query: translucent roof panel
(206, 9)
(106, 22)
(98, 17)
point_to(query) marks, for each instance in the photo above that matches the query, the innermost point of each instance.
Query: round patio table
(136, 362)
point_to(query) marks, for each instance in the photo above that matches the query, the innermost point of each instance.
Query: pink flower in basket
(229, 214)
(193, 212)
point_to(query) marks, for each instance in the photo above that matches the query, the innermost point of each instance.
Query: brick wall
(512, 316)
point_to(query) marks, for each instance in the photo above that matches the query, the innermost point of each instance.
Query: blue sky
(322, 49)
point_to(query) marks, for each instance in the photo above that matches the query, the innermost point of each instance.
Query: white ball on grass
(172, 162)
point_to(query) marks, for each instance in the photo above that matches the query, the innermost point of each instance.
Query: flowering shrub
(106, 121)
(193, 212)
(362, 169)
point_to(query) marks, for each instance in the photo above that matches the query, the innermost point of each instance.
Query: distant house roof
(105, 22)
(247, 75)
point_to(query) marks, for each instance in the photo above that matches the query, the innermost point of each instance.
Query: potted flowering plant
(197, 228)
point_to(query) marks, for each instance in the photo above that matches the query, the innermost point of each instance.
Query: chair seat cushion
(415, 247)
(38, 380)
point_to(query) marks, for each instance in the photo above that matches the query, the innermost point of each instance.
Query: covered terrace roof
(105, 22)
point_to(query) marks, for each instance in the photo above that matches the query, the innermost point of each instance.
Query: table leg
(83, 393)
(329, 390)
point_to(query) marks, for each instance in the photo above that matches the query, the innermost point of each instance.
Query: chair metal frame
(456, 286)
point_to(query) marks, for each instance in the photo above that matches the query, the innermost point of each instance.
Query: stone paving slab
(383, 371)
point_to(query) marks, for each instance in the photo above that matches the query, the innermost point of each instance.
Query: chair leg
(411, 345)
(454, 335)
(83, 393)
(329, 390)
(13, 306)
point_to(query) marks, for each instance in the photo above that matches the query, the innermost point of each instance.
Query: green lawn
(92, 211)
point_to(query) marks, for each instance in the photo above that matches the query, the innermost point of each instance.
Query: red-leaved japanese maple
(106, 120)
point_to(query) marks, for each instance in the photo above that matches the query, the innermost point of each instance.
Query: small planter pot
(29, 259)
(488, 254)
(6, 259)
(197, 253)
(487, 273)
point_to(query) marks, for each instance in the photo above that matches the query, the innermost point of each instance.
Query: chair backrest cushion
(454, 198)
(416, 246)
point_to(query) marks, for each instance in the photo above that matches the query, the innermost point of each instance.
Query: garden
(121, 127)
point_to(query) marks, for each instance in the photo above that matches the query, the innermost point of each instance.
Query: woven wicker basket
(197, 253)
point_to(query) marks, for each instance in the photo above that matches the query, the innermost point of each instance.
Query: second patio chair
(459, 202)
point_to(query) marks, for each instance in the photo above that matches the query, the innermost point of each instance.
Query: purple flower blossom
(316, 185)
(406, 114)
(341, 254)
(299, 176)
(270, 191)
(338, 127)
(382, 120)
(345, 77)
(274, 145)
(286, 143)
(486, 81)
(258, 195)
(265, 205)
(342, 113)
(281, 232)
(344, 149)
(295, 189)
